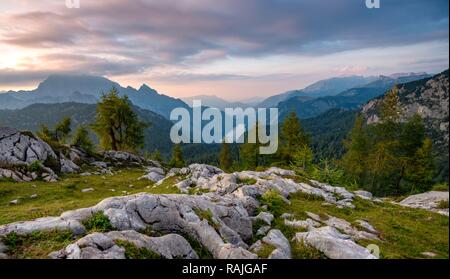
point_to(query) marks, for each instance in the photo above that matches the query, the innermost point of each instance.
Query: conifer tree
(157, 156)
(225, 159)
(177, 160)
(63, 130)
(422, 168)
(354, 160)
(116, 124)
(82, 140)
(249, 153)
(293, 138)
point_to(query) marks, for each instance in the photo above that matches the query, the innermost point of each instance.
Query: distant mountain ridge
(214, 102)
(349, 99)
(327, 87)
(87, 89)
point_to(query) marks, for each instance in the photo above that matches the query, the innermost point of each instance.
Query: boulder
(346, 227)
(42, 224)
(103, 246)
(364, 194)
(87, 190)
(220, 224)
(23, 148)
(123, 158)
(333, 244)
(100, 165)
(302, 224)
(263, 230)
(428, 200)
(266, 217)
(276, 239)
(154, 174)
(67, 166)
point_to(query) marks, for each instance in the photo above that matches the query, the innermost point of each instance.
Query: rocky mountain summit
(429, 98)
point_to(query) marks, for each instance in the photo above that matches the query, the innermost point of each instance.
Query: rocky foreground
(221, 219)
(221, 211)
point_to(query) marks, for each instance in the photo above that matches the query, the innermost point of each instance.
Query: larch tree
(117, 125)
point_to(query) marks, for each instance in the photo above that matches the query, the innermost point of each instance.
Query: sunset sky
(235, 49)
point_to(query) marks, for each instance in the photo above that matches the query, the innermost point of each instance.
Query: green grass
(55, 198)
(134, 253)
(255, 227)
(406, 232)
(98, 223)
(302, 251)
(442, 204)
(37, 245)
(199, 249)
(443, 187)
(208, 216)
(265, 251)
(273, 201)
(246, 181)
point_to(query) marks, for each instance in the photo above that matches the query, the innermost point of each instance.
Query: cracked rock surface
(221, 220)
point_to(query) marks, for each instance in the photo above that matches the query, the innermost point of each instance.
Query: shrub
(301, 251)
(98, 223)
(36, 166)
(12, 240)
(443, 187)
(82, 140)
(206, 215)
(199, 249)
(327, 173)
(273, 201)
(442, 204)
(265, 251)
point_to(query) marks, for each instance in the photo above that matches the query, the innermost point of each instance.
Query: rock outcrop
(220, 220)
(333, 244)
(428, 201)
(121, 158)
(212, 179)
(23, 148)
(104, 246)
(24, 157)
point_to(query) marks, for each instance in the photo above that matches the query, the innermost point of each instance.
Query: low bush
(98, 223)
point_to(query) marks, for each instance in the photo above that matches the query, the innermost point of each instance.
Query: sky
(234, 49)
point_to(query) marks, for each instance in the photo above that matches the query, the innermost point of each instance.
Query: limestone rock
(67, 166)
(87, 190)
(103, 246)
(154, 174)
(22, 148)
(42, 224)
(333, 244)
(345, 227)
(263, 230)
(266, 217)
(428, 200)
(276, 239)
(364, 194)
(302, 224)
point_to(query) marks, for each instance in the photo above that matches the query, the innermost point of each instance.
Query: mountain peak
(147, 89)
(410, 74)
